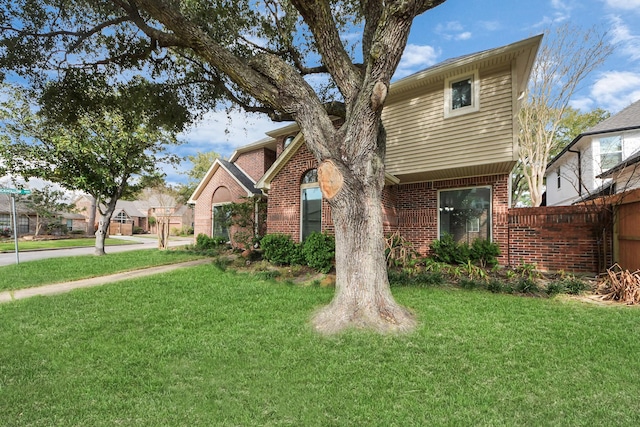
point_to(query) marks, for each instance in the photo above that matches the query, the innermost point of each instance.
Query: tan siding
(419, 139)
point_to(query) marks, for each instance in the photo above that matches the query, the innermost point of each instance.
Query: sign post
(13, 192)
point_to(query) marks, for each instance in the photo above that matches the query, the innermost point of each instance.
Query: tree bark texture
(363, 297)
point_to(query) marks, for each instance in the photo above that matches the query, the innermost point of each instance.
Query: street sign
(14, 191)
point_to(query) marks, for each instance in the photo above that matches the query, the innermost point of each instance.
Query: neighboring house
(230, 181)
(129, 215)
(599, 162)
(451, 146)
(26, 219)
(163, 207)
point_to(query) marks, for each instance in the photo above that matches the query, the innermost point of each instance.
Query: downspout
(579, 170)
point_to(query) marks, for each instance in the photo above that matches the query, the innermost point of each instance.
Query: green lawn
(203, 347)
(9, 246)
(56, 270)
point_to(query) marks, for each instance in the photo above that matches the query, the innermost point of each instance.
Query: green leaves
(102, 145)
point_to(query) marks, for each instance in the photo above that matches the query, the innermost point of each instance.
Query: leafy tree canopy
(304, 60)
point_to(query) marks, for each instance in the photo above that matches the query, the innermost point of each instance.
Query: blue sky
(460, 27)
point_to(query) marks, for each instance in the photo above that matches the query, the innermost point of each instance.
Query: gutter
(579, 169)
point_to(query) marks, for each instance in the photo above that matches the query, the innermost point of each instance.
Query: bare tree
(567, 57)
(162, 201)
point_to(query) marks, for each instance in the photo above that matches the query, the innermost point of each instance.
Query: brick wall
(570, 238)
(417, 209)
(255, 163)
(283, 203)
(202, 211)
(553, 238)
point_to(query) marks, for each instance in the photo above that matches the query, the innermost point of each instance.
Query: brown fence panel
(628, 236)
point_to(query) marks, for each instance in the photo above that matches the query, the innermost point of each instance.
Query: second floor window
(461, 94)
(610, 152)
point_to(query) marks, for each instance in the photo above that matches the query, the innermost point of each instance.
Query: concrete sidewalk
(58, 288)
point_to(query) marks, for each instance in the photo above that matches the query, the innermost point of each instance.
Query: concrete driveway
(140, 243)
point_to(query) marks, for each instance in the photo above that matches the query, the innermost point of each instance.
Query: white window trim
(467, 188)
(302, 188)
(475, 94)
(598, 158)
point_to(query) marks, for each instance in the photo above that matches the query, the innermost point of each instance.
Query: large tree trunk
(363, 298)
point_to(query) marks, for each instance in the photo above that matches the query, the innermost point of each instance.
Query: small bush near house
(567, 284)
(77, 232)
(5, 232)
(449, 251)
(204, 242)
(409, 277)
(57, 229)
(319, 250)
(399, 251)
(484, 252)
(279, 249)
(138, 230)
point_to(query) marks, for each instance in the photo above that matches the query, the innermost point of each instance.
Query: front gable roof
(265, 182)
(243, 180)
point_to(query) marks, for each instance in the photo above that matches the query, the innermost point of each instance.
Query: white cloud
(615, 90)
(415, 58)
(227, 130)
(627, 42)
(561, 11)
(582, 104)
(490, 25)
(452, 30)
(633, 5)
(218, 131)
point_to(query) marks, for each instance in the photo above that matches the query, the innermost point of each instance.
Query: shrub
(399, 251)
(411, 278)
(449, 251)
(319, 250)
(526, 285)
(138, 230)
(484, 252)
(5, 232)
(204, 242)
(279, 249)
(496, 286)
(567, 283)
(556, 287)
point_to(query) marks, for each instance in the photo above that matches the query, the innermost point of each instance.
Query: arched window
(310, 204)
(220, 213)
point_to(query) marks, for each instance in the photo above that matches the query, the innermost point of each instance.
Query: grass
(9, 246)
(56, 270)
(202, 347)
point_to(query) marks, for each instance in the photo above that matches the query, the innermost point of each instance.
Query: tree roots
(390, 318)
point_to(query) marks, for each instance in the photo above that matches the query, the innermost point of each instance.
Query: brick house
(136, 214)
(451, 146)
